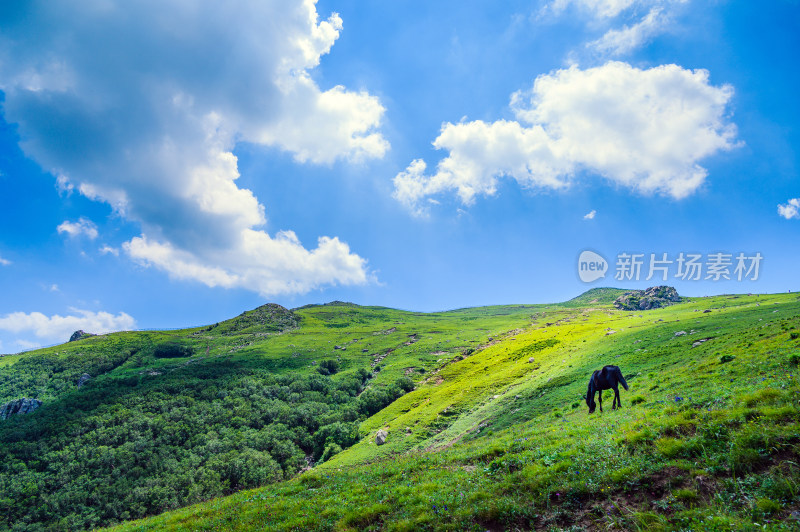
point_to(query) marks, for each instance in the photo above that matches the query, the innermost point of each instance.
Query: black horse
(605, 379)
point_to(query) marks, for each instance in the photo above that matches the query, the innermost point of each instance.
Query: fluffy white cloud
(56, 328)
(4, 262)
(139, 104)
(590, 215)
(642, 129)
(790, 209)
(279, 265)
(82, 227)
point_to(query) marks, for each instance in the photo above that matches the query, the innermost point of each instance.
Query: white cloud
(790, 209)
(4, 262)
(54, 288)
(63, 185)
(607, 15)
(599, 8)
(608, 9)
(56, 328)
(643, 129)
(126, 109)
(590, 215)
(82, 227)
(279, 265)
(622, 41)
(108, 250)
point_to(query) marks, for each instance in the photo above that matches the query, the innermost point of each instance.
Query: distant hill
(266, 318)
(596, 296)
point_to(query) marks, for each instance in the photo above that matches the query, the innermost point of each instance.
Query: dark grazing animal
(607, 378)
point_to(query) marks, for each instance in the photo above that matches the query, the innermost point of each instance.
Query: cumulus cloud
(590, 215)
(82, 227)
(642, 129)
(140, 104)
(279, 265)
(790, 209)
(56, 328)
(4, 262)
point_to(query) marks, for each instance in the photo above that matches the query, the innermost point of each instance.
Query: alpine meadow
(486, 425)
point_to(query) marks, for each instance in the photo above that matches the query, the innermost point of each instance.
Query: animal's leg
(616, 404)
(619, 400)
(600, 399)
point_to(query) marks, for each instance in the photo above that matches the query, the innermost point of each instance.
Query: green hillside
(487, 428)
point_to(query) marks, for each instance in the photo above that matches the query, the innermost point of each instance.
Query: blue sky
(163, 165)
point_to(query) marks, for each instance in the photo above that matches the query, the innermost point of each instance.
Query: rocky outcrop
(653, 297)
(83, 378)
(80, 335)
(380, 437)
(19, 406)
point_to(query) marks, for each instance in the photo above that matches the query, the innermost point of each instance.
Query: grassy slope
(132, 394)
(497, 441)
(400, 340)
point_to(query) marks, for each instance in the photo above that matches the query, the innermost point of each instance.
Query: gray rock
(380, 437)
(680, 333)
(80, 335)
(83, 378)
(19, 406)
(653, 297)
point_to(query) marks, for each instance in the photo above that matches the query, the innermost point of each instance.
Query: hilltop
(486, 424)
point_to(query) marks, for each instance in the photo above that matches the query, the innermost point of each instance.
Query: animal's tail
(622, 380)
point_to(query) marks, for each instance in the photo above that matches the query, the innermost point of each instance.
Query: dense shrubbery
(137, 444)
(172, 350)
(328, 367)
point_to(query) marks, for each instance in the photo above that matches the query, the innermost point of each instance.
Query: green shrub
(726, 358)
(405, 384)
(637, 399)
(330, 450)
(794, 359)
(794, 335)
(172, 350)
(342, 435)
(328, 367)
